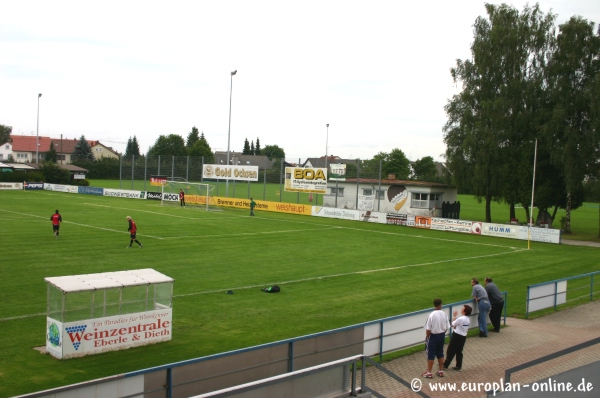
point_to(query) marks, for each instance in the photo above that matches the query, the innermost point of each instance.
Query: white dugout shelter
(94, 313)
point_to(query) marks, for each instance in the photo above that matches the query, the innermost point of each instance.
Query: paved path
(579, 242)
(486, 359)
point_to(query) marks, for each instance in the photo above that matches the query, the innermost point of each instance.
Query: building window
(7, 146)
(426, 200)
(1, 155)
(419, 200)
(380, 194)
(367, 192)
(338, 191)
(435, 199)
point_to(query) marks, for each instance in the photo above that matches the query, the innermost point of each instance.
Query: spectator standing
(483, 303)
(459, 338)
(435, 332)
(56, 219)
(497, 302)
(252, 206)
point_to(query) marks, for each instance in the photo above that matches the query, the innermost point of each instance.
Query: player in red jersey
(132, 231)
(56, 219)
(181, 198)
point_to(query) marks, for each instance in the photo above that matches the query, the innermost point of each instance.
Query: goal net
(196, 194)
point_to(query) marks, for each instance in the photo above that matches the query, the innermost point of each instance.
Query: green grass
(333, 273)
(241, 190)
(585, 221)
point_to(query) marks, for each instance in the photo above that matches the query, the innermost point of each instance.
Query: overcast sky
(376, 71)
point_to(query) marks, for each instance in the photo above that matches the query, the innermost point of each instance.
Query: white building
(389, 196)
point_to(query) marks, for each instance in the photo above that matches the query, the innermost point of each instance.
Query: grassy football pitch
(332, 273)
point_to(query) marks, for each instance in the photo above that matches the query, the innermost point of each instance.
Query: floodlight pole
(229, 130)
(37, 133)
(532, 190)
(326, 144)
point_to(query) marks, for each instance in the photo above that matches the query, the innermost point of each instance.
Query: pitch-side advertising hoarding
(94, 336)
(238, 173)
(298, 179)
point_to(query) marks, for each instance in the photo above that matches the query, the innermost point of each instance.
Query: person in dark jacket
(497, 302)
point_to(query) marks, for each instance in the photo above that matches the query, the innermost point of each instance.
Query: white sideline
(323, 228)
(81, 225)
(309, 279)
(347, 274)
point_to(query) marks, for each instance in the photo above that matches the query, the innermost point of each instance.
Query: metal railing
(560, 291)
(276, 358)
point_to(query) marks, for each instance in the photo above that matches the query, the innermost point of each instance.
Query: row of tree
(526, 85)
(395, 162)
(197, 145)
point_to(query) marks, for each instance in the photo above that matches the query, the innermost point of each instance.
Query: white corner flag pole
(532, 190)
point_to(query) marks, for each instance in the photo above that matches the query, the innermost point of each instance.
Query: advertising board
(329, 212)
(61, 188)
(238, 173)
(33, 185)
(449, 224)
(123, 193)
(91, 190)
(313, 180)
(94, 336)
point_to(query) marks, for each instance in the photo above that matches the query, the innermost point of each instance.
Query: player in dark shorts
(56, 219)
(132, 231)
(181, 198)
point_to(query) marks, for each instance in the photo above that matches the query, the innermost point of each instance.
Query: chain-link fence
(135, 173)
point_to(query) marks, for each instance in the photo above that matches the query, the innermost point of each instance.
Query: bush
(54, 174)
(20, 176)
(103, 168)
(81, 183)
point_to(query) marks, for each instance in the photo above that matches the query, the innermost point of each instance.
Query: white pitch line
(312, 223)
(314, 278)
(82, 225)
(249, 233)
(155, 212)
(440, 239)
(349, 273)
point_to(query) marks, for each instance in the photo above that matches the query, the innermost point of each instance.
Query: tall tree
(132, 148)
(252, 147)
(257, 150)
(171, 145)
(246, 150)
(135, 146)
(51, 155)
(273, 152)
(201, 148)
(425, 170)
(82, 151)
(396, 163)
(492, 121)
(5, 133)
(572, 130)
(192, 137)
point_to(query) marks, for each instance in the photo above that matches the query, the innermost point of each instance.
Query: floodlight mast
(326, 144)
(229, 130)
(37, 133)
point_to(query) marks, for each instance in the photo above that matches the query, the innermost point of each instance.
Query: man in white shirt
(435, 332)
(459, 337)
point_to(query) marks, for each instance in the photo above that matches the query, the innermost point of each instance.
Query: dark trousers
(496, 315)
(457, 343)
